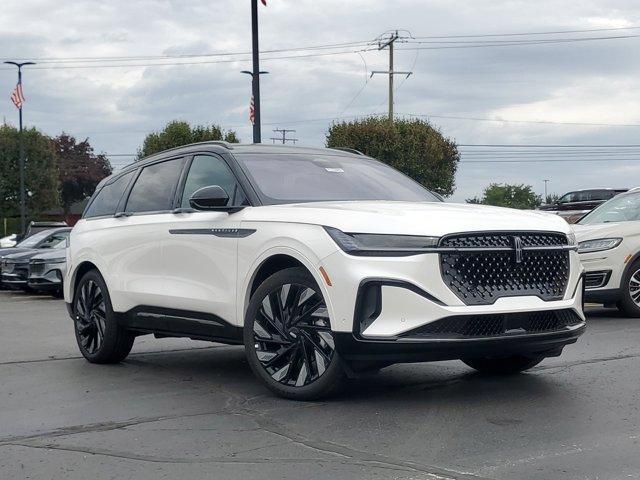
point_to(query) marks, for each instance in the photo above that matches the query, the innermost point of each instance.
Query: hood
(606, 230)
(435, 219)
(22, 256)
(11, 250)
(58, 253)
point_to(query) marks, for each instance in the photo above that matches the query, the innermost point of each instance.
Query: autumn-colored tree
(80, 169)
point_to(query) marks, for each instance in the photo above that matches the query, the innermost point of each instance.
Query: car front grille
(36, 268)
(482, 267)
(493, 325)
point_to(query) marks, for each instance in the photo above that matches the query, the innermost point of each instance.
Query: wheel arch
(272, 262)
(79, 272)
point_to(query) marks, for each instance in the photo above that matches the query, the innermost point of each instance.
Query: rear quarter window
(107, 199)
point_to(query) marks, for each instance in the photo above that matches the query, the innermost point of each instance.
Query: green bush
(177, 134)
(414, 147)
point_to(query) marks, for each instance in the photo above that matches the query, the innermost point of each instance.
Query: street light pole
(546, 196)
(23, 226)
(255, 77)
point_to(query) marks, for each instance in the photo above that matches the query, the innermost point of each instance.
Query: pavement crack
(135, 354)
(99, 427)
(347, 453)
(576, 363)
(194, 460)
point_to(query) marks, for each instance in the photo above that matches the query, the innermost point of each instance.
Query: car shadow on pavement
(225, 368)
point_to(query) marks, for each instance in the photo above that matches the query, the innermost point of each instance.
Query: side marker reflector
(626, 260)
(325, 275)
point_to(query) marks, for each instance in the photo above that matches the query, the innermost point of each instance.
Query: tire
(630, 288)
(503, 365)
(99, 337)
(293, 351)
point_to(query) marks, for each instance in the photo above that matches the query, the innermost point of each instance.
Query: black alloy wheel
(91, 315)
(288, 336)
(100, 338)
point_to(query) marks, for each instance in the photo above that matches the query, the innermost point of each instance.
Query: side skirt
(165, 322)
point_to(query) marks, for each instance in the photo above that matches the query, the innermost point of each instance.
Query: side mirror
(212, 197)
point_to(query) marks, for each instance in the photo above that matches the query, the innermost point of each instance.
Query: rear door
(200, 247)
(147, 214)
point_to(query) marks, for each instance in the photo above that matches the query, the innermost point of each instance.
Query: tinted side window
(207, 170)
(108, 197)
(155, 187)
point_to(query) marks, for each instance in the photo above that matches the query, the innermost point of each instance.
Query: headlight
(598, 245)
(55, 260)
(372, 244)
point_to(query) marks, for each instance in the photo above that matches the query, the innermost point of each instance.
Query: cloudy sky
(550, 89)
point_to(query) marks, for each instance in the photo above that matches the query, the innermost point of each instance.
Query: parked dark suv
(573, 206)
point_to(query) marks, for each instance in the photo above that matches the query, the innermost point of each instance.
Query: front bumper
(550, 344)
(412, 296)
(16, 280)
(51, 280)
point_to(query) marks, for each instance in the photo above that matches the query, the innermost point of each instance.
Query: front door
(200, 248)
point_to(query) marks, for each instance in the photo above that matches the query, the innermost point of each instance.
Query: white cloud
(586, 82)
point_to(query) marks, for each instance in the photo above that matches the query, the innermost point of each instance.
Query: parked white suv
(323, 263)
(609, 248)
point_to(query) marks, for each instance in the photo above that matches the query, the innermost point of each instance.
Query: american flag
(17, 96)
(252, 111)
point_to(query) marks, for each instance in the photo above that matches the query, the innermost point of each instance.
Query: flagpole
(23, 209)
(255, 77)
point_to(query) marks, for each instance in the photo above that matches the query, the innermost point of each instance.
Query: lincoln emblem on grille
(517, 245)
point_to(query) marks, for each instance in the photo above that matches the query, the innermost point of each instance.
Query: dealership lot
(193, 409)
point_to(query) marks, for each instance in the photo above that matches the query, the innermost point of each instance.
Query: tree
(177, 133)
(414, 147)
(512, 196)
(80, 170)
(41, 172)
(552, 198)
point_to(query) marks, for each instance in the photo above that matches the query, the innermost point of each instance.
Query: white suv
(324, 263)
(609, 247)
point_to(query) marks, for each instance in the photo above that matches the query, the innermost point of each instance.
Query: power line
(195, 55)
(206, 62)
(508, 43)
(537, 145)
(576, 160)
(557, 32)
(544, 122)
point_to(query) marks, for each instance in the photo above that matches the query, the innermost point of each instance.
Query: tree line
(63, 170)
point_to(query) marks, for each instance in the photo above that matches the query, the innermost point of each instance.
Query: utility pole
(18, 91)
(384, 43)
(546, 181)
(284, 138)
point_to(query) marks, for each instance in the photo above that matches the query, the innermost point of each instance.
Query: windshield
(34, 239)
(298, 177)
(45, 239)
(623, 208)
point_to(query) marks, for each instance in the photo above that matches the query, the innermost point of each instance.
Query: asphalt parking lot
(183, 409)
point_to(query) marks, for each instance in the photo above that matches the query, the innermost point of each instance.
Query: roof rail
(349, 150)
(220, 143)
